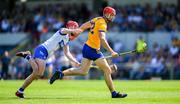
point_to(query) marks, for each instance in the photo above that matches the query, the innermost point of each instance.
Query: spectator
(129, 17)
(174, 51)
(5, 65)
(177, 70)
(156, 65)
(118, 46)
(5, 25)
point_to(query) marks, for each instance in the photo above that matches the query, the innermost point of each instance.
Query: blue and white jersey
(56, 41)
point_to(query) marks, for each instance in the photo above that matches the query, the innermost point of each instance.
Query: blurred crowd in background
(50, 17)
(161, 61)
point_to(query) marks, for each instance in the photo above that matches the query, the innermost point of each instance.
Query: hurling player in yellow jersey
(91, 50)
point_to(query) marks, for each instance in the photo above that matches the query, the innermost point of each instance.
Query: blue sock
(28, 57)
(114, 93)
(21, 89)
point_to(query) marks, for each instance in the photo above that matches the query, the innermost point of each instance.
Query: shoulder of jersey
(99, 19)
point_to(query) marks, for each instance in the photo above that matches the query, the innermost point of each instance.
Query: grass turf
(91, 92)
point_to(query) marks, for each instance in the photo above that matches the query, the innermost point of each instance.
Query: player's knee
(110, 71)
(39, 76)
(35, 70)
(34, 75)
(84, 73)
(107, 71)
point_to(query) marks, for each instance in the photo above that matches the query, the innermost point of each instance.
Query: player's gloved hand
(114, 54)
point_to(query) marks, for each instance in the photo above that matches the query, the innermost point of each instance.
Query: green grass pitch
(91, 92)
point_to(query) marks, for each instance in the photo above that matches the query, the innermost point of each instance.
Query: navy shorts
(40, 52)
(91, 53)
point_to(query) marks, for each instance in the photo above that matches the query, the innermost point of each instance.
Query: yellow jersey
(98, 25)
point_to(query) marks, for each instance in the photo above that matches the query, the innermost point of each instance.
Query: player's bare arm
(86, 26)
(69, 55)
(66, 31)
(70, 31)
(82, 28)
(105, 44)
